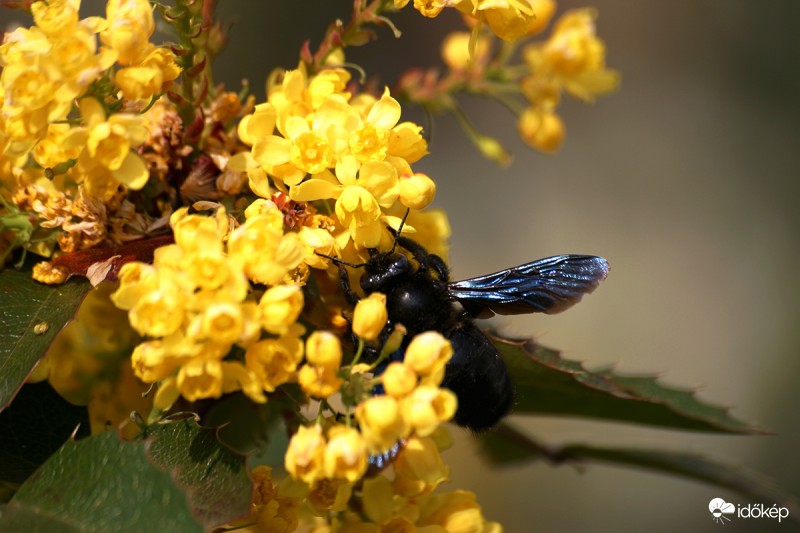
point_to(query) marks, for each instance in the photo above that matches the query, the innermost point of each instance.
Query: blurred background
(687, 180)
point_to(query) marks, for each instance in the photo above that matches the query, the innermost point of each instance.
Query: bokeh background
(686, 180)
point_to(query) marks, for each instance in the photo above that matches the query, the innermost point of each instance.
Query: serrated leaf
(214, 478)
(177, 478)
(250, 428)
(506, 446)
(35, 425)
(548, 384)
(31, 315)
(99, 484)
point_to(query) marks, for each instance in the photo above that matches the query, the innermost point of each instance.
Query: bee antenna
(337, 261)
(399, 229)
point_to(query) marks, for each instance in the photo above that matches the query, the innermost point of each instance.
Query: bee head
(384, 269)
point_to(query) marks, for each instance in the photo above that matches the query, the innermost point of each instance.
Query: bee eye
(399, 266)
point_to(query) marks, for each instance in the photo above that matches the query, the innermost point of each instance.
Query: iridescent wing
(549, 285)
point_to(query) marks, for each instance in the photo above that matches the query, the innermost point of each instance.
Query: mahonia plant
(110, 142)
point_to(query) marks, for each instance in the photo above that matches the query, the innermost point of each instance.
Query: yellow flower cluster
(413, 405)
(508, 19)
(46, 67)
(146, 67)
(67, 162)
(194, 303)
(318, 142)
(571, 60)
(404, 503)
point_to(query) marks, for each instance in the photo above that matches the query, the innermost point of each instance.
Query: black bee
(422, 298)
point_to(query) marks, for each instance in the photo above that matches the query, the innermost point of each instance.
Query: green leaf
(34, 426)
(548, 384)
(178, 478)
(506, 446)
(255, 430)
(99, 484)
(30, 317)
(214, 478)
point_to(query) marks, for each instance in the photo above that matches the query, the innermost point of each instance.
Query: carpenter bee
(423, 298)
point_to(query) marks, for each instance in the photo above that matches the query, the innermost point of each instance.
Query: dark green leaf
(214, 478)
(37, 424)
(548, 384)
(254, 429)
(31, 315)
(99, 484)
(507, 446)
(177, 478)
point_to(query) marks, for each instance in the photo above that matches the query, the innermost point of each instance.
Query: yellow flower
(398, 379)
(416, 191)
(158, 313)
(237, 377)
(370, 316)
(56, 18)
(542, 130)
(574, 56)
(406, 142)
(345, 454)
(427, 407)
(508, 19)
(428, 353)
(381, 422)
(274, 361)
(455, 50)
(200, 378)
(419, 468)
(379, 501)
(317, 241)
(130, 26)
(279, 307)
(318, 381)
(358, 210)
(108, 144)
(148, 78)
(264, 252)
(259, 124)
(429, 8)
(454, 511)
(305, 456)
(433, 230)
(274, 512)
(222, 322)
(151, 362)
(330, 495)
(50, 151)
(323, 348)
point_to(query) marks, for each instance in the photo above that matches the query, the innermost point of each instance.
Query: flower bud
(346, 454)
(417, 191)
(381, 423)
(428, 352)
(543, 131)
(305, 456)
(370, 316)
(279, 307)
(324, 349)
(399, 379)
(427, 407)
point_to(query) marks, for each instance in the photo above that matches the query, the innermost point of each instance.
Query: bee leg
(344, 280)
